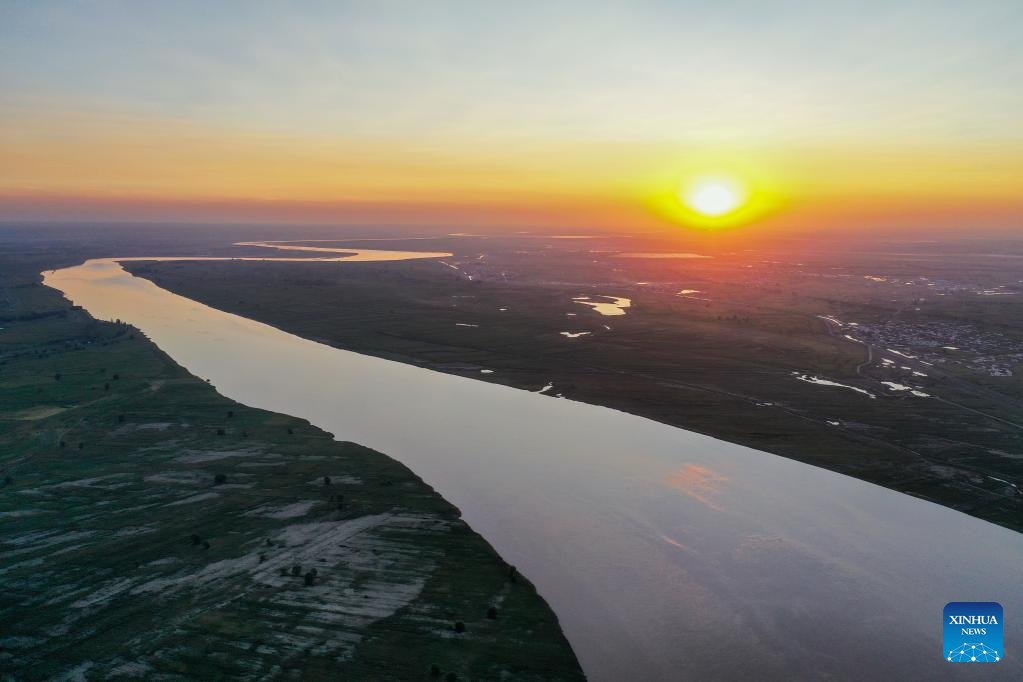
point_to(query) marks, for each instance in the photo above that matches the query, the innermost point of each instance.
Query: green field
(152, 528)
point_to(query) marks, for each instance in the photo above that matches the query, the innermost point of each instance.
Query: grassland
(724, 361)
(151, 528)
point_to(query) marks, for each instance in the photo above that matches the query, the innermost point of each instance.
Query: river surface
(666, 554)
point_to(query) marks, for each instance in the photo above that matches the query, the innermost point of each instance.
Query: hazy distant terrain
(896, 362)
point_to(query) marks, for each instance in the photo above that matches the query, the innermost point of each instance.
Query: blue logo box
(973, 632)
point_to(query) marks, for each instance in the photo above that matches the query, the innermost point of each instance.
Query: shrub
(492, 613)
(459, 626)
(220, 479)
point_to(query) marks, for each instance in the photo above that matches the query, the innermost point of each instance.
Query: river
(666, 554)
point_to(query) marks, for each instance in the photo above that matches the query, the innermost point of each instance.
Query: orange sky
(134, 113)
(68, 167)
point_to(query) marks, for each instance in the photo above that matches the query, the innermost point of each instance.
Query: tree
(492, 613)
(220, 479)
(459, 626)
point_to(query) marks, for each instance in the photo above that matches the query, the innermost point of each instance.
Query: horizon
(836, 117)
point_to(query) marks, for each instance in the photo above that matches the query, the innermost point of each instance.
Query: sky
(589, 114)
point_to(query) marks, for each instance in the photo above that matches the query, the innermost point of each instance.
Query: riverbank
(725, 364)
(152, 526)
(633, 530)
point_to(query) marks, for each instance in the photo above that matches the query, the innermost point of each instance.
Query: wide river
(666, 554)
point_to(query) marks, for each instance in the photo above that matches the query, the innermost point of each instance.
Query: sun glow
(714, 194)
(714, 197)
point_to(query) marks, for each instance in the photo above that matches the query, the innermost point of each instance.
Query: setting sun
(719, 199)
(714, 197)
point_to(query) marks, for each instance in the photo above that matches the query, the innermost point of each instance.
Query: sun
(714, 197)
(719, 196)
